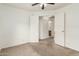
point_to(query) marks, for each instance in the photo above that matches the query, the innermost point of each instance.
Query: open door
(59, 29)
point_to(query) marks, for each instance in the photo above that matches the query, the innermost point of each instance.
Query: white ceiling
(29, 7)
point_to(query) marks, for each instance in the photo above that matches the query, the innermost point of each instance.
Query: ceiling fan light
(43, 4)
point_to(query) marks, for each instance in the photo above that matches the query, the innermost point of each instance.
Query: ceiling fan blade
(35, 4)
(43, 7)
(51, 3)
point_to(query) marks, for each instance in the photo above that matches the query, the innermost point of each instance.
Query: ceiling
(29, 7)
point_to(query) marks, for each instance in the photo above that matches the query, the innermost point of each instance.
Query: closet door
(59, 29)
(34, 28)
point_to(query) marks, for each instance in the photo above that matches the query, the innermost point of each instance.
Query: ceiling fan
(42, 4)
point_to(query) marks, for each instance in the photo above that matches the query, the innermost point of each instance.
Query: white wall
(14, 26)
(71, 26)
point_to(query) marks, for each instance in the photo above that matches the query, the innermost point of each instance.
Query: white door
(59, 29)
(34, 28)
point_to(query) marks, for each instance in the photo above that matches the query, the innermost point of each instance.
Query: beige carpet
(45, 47)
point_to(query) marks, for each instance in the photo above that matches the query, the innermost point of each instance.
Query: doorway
(46, 27)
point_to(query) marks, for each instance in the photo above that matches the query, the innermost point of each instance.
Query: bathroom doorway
(46, 27)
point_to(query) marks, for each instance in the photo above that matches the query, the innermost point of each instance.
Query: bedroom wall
(71, 25)
(14, 26)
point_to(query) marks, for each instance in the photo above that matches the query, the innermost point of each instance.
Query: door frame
(39, 24)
